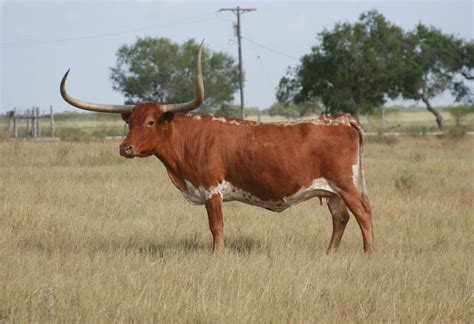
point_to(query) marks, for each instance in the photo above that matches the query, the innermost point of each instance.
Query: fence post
(10, 122)
(38, 124)
(28, 130)
(51, 121)
(15, 128)
(33, 114)
(33, 122)
(35, 133)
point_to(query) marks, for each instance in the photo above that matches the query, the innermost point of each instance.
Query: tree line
(353, 68)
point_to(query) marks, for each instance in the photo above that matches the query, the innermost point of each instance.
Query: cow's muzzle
(126, 150)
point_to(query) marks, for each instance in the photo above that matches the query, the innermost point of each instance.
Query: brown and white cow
(214, 159)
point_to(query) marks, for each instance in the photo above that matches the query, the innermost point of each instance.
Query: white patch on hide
(356, 168)
(225, 120)
(197, 117)
(320, 121)
(228, 192)
(324, 121)
(219, 119)
(355, 173)
(320, 187)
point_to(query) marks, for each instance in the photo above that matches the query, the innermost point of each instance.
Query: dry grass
(86, 236)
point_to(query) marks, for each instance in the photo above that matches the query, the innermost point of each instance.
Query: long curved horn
(199, 98)
(90, 106)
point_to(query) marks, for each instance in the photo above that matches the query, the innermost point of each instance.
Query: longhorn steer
(213, 159)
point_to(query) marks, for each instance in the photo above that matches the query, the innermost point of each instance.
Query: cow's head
(147, 125)
(147, 120)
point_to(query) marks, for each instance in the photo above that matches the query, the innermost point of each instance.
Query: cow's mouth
(127, 151)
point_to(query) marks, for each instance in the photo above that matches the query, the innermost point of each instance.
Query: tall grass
(86, 236)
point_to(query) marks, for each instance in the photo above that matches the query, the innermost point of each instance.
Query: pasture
(87, 236)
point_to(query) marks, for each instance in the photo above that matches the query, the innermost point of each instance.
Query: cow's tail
(363, 188)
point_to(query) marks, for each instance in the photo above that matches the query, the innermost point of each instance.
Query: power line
(270, 49)
(186, 21)
(238, 11)
(263, 69)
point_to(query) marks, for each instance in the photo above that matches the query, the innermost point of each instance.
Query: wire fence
(30, 120)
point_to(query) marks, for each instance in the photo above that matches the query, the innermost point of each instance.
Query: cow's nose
(126, 150)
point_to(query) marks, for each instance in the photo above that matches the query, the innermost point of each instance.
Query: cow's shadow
(238, 244)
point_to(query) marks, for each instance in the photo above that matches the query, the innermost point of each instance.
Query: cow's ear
(167, 117)
(126, 117)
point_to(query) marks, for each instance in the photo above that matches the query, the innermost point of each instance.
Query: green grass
(87, 236)
(413, 122)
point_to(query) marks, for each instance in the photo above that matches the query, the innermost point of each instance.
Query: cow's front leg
(214, 213)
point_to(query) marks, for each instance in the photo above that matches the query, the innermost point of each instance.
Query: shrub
(418, 157)
(382, 139)
(457, 133)
(406, 182)
(62, 155)
(459, 112)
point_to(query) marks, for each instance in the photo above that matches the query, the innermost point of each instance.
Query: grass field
(87, 236)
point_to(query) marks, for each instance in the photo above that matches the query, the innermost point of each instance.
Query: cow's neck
(171, 152)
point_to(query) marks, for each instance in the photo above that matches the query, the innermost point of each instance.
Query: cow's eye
(150, 122)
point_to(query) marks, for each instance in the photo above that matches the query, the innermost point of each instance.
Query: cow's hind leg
(340, 217)
(214, 213)
(359, 205)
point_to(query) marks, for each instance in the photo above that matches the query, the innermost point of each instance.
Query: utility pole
(237, 11)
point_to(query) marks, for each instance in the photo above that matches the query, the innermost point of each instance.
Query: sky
(40, 40)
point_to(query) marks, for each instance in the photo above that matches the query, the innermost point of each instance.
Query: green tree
(228, 110)
(432, 62)
(465, 63)
(158, 70)
(352, 69)
(356, 67)
(465, 60)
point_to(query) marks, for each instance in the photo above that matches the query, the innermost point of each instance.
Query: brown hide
(269, 160)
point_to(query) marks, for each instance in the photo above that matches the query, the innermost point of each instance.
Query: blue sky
(40, 40)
